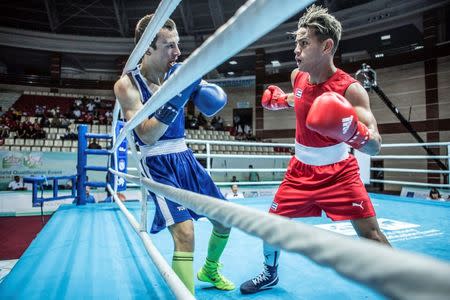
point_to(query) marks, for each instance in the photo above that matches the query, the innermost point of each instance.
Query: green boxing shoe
(210, 273)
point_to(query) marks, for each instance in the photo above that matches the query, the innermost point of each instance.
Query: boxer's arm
(359, 98)
(150, 130)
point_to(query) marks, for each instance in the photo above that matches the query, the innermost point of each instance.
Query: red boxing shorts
(336, 189)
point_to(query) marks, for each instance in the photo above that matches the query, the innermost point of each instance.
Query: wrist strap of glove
(167, 113)
(361, 136)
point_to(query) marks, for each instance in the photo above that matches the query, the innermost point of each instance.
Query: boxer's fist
(209, 98)
(274, 98)
(333, 116)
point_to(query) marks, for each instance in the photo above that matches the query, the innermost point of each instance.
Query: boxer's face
(167, 51)
(308, 50)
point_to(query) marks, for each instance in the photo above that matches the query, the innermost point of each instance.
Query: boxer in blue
(166, 158)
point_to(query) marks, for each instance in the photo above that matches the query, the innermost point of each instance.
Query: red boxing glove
(333, 116)
(274, 98)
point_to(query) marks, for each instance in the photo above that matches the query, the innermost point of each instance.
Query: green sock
(182, 264)
(217, 243)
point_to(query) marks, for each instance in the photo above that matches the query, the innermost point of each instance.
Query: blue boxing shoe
(267, 279)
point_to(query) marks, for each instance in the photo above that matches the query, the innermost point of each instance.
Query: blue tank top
(176, 129)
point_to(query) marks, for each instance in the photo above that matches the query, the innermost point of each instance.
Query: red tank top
(305, 93)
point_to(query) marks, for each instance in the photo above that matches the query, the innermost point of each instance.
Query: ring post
(81, 164)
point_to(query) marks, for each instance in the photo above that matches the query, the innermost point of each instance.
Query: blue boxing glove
(168, 112)
(209, 98)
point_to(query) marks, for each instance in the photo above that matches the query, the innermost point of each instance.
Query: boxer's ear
(327, 46)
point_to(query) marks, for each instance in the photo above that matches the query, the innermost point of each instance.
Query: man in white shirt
(17, 184)
(234, 193)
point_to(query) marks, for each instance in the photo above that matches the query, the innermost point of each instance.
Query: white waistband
(164, 147)
(321, 156)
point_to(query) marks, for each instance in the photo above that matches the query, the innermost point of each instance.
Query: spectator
(219, 123)
(94, 145)
(21, 131)
(235, 194)
(90, 106)
(252, 176)
(76, 113)
(38, 132)
(4, 131)
(69, 135)
(89, 197)
(234, 179)
(201, 120)
(44, 122)
(65, 122)
(77, 103)
(435, 195)
(17, 184)
(56, 122)
(97, 102)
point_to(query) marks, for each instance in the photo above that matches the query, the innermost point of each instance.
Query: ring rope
(173, 281)
(397, 274)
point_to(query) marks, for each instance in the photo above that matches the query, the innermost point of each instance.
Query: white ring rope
(251, 21)
(173, 281)
(394, 273)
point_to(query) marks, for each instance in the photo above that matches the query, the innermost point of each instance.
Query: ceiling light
(275, 63)
(230, 73)
(385, 37)
(378, 55)
(418, 47)
(232, 62)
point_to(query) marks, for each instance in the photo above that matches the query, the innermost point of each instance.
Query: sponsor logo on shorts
(274, 206)
(181, 208)
(298, 92)
(358, 204)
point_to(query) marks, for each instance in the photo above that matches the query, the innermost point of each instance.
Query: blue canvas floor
(92, 252)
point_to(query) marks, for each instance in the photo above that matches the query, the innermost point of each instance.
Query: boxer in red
(332, 112)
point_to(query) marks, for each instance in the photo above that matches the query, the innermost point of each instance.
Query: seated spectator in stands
(234, 179)
(214, 122)
(29, 132)
(4, 130)
(39, 111)
(10, 123)
(89, 197)
(201, 120)
(44, 122)
(252, 176)
(88, 118)
(39, 132)
(219, 123)
(52, 112)
(234, 194)
(56, 122)
(17, 184)
(97, 102)
(101, 119)
(21, 131)
(77, 103)
(90, 106)
(76, 113)
(435, 195)
(65, 122)
(94, 145)
(69, 135)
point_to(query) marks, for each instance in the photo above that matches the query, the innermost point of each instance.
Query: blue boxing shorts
(170, 162)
